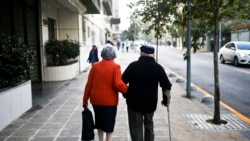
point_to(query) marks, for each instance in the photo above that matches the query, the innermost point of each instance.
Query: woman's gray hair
(108, 52)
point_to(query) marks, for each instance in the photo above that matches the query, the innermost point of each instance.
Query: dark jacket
(93, 56)
(143, 77)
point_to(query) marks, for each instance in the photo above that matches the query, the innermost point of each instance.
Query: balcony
(115, 20)
(107, 4)
(93, 6)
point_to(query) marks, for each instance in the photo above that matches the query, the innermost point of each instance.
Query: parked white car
(237, 52)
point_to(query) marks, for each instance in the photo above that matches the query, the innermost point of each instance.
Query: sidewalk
(58, 118)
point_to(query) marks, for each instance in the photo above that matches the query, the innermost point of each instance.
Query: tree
(131, 33)
(205, 15)
(216, 10)
(156, 14)
(124, 35)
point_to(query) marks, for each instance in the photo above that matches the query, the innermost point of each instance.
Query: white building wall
(47, 11)
(80, 27)
(88, 29)
(68, 25)
(95, 24)
(115, 28)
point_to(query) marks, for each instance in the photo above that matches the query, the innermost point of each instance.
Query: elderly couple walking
(138, 84)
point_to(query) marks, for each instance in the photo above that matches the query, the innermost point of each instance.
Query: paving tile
(70, 132)
(31, 126)
(47, 133)
(2, 138)
(17, 139)
(58, 121)
(6, 132)
(52, 126)
(68, 139)
(39, 120)
(43, 139)
(161, 132)
(24, 133)
(13, 126)
(118, 138)
(74, 125)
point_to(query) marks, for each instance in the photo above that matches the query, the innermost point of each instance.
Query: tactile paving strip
(198, 121)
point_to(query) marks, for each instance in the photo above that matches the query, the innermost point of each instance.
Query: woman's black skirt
(105, 117)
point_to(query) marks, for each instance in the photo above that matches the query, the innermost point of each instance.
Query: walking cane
(169, 124)
(166, 94)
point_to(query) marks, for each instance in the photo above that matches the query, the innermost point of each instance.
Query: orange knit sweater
(104, 83)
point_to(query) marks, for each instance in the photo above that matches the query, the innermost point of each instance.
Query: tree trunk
(216, 118)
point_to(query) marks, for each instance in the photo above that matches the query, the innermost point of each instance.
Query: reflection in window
(243, 46)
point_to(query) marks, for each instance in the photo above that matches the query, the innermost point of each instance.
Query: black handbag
(88, 125)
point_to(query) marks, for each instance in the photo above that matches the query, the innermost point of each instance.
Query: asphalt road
(234, 81)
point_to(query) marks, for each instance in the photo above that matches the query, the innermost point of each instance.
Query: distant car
(237, 52)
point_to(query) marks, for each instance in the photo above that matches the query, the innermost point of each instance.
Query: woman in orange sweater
(104, 83)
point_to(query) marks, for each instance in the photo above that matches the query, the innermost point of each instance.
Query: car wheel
(222, 59)
(236, 61)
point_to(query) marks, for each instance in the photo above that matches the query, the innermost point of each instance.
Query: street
(57, 117)
(234, 81)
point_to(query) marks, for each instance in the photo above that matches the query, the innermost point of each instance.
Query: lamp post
(188, 53)
(219, 34)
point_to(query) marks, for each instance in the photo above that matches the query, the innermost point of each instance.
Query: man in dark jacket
(143, 77)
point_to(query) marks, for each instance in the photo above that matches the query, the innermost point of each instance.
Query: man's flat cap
(147, 49)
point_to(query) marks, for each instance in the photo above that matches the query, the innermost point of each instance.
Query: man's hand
(166, 97)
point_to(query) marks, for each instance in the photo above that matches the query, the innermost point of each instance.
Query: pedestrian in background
(118, 45)
(102, 87)
(93, 55)
(123, 45)
(127, 48)
(143, 77)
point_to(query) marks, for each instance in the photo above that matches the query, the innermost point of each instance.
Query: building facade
(37, 21)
